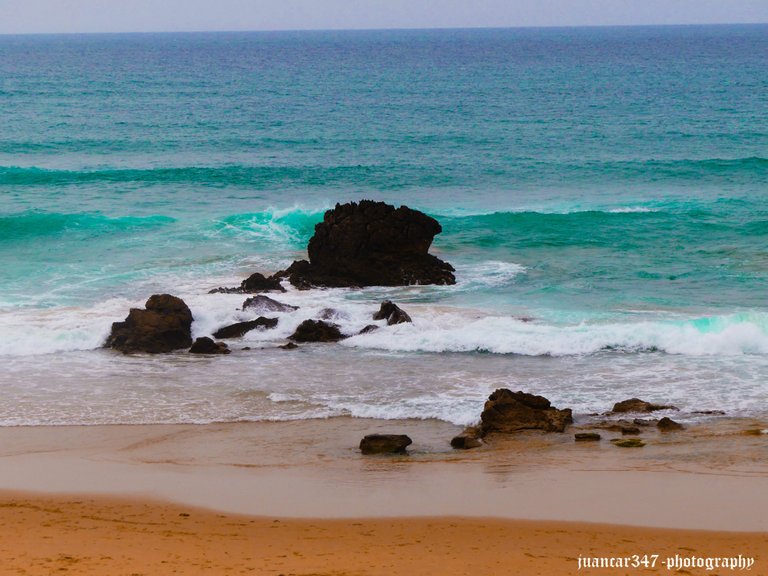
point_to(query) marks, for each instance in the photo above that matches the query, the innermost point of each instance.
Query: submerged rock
(163, 326)
(392, 313)
(628, 442)
(254, 283)
(241, 328)
(385, 444)
(316, 331)
(263, 303)
(465, 442)
(371, 244)
(289, 346)
(631, 426)
(368, 329)
(637, 405)
(507, 411)
(586, 437)
(205, 345)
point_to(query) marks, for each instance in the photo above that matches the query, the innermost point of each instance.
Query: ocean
(603, 194)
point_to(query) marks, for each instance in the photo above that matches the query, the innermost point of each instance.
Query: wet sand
(299, 498)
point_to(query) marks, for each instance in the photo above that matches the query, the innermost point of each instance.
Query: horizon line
(394, 29)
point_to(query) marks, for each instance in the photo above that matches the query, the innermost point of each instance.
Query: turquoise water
(609, 183)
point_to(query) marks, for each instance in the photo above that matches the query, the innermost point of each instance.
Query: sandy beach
(95, 536)
(298, 498)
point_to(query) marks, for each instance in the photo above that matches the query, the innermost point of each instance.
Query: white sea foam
(732, 335)
(32, 331)
(488, 274)
(29, 331)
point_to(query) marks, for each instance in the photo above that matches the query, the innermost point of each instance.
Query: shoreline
(694, 479)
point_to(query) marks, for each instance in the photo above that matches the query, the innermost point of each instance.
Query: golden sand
(94, 536)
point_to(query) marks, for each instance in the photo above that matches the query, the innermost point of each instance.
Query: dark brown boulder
(586, 437)
(261, 304)
(254, 283)
(163, 326)
(288, 346)
(385, 444)
(370, 243)
(669, 425)
(637, 405)
(507, 411)
(368, 329)
(316, 331)
(259, 283)
(392, 313)
(241, 328)
(205, 345)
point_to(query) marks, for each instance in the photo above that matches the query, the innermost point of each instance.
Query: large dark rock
(669, 425)
(205, 345)
(163, 326)
(392, 313)
(254, 283)
(637, 405)
(241, 328)
(507, 411)
(316, 331)
(385, 444)
(263, 304)
(370, 243)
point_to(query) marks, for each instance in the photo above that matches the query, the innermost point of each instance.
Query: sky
(55, 16)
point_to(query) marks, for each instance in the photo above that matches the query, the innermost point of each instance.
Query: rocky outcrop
(637, 405)
(316, 331)
(254, 283)
(507, 411)
(163, 326)
(371, 244)
(392, 313)
(368, 329)
(205, 345)
(241, 328)
(385, 444)
(261, 304)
